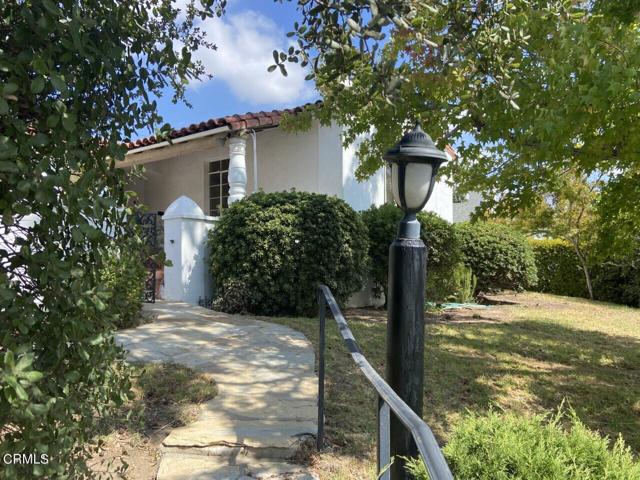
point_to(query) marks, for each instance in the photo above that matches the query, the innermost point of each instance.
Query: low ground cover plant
(501, 446)
(271, 250)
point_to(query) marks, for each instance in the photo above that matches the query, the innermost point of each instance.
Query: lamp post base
(405, 337)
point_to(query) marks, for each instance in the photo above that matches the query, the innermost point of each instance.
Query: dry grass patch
(166, 396)
(523, 358)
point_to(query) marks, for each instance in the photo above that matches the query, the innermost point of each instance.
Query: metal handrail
(389, 401)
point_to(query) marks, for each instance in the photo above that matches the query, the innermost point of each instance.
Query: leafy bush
(382, 226)
(77, 79)
(559, 270)
(456, 284)
(270, 251)
(438, 236)
(506, 446)
(124, 276)
(498, 255)
(618, 281)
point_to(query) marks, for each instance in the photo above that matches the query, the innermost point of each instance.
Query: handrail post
(390, 406)
(384, 438)
(322, 307)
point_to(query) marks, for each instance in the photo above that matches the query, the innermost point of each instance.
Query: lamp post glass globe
(417, 185)
(415, 161)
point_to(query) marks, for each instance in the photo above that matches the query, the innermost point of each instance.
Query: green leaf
(24, 362)
(37, 84)
(51, 7)
(9, 88)
(33, 376)
(58, 83)
(39, 140)
(69, 121)
(4, 106)
(77, 235)
(38, 409)
(53, 120)
(10, 167)
(21, 392)
(9, 360)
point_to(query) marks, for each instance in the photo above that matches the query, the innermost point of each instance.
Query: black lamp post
(414, 164)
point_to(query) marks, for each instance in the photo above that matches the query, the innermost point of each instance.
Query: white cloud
(245, 44)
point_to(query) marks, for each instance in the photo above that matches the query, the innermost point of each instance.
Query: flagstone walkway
(267, 391)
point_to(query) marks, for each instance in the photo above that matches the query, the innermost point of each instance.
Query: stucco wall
(285, 161)
(313, 161)
(441, 201)
(364, 194)
(169, 179)
(462, 211)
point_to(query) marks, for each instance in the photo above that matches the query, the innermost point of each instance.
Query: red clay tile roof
(234, 122)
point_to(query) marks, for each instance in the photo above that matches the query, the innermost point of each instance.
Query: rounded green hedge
(509, 446)
(269, 252)
(499, 256)
(559, 270)
(618, 281)
(438, 235)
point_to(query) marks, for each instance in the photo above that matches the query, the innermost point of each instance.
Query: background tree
(525, 88)
(569, 213)
(76, 79)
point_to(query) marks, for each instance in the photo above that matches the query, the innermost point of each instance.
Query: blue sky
(245, 36)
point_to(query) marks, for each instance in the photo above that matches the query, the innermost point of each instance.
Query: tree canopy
(525, 89)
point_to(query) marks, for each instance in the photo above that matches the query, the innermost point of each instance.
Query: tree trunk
(585, 269)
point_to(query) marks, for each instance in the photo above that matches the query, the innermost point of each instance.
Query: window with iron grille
(218, 186)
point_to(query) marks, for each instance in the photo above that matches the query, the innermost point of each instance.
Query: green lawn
(524, 358)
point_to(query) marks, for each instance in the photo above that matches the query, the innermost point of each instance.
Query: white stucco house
(219, 161)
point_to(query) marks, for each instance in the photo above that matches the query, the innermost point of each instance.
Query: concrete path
(267, 391)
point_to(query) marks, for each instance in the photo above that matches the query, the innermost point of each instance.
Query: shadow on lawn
(524, 366)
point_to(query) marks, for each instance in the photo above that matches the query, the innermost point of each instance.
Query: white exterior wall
(313, 161)
(462, 211)
(361, 195)
(441, 201)
(285, 161)
(185, 245)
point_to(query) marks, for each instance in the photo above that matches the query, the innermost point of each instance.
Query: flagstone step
(251, 407)
(253, 433)
(267, 393)
(190, 467)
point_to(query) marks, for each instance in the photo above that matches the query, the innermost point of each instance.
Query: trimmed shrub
(124, 275)
(559, 270)
(499, 256)
(438, 235)
(270, 251)
(618, 282)
(382, 225)
(507, 446)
